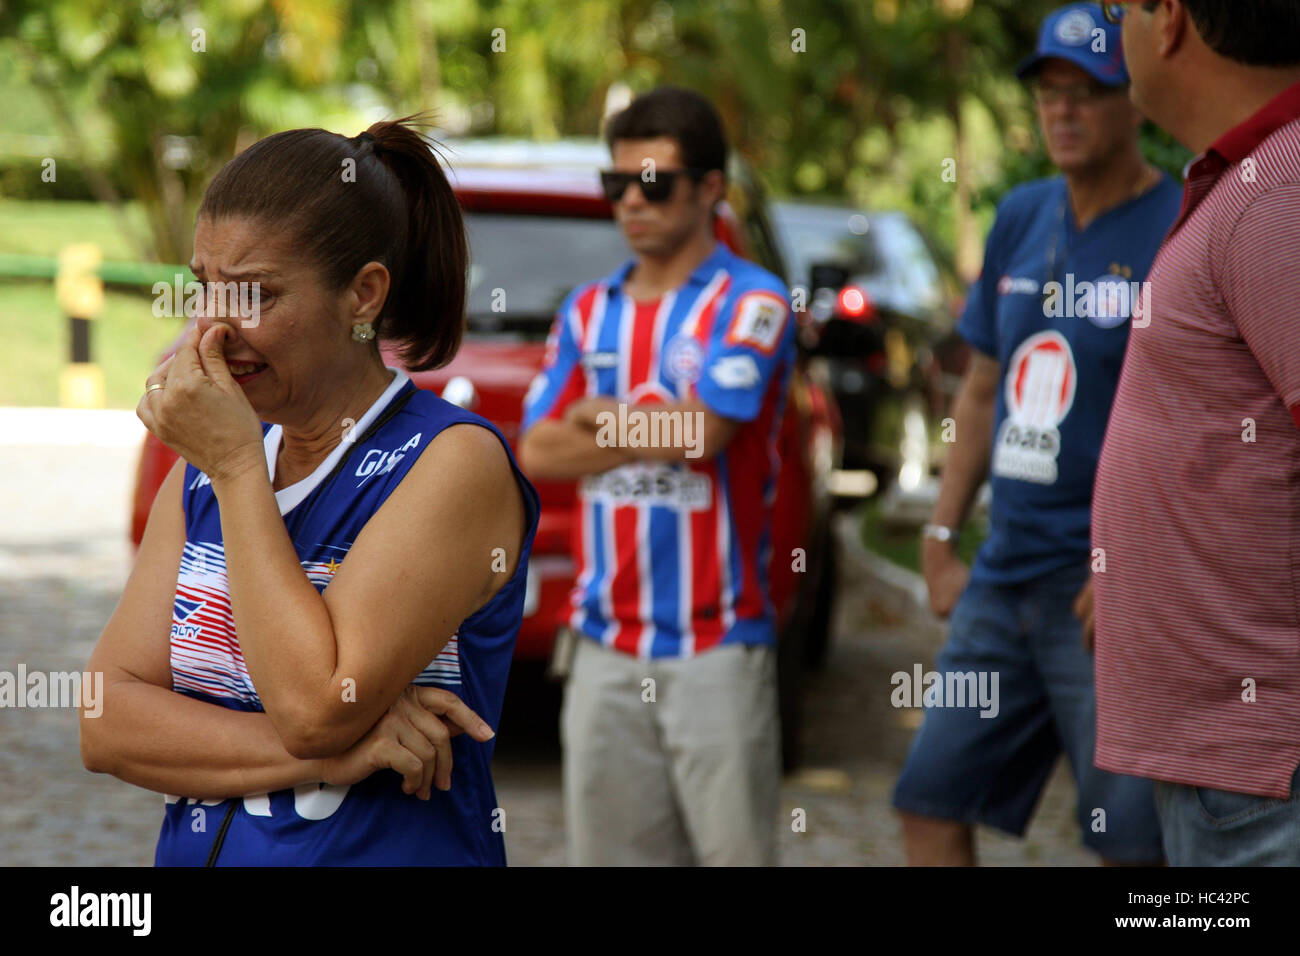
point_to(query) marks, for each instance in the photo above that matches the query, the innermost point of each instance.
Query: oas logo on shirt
(1039, 391)
(1041, 379)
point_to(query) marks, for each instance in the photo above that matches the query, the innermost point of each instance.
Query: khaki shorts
(691, 776)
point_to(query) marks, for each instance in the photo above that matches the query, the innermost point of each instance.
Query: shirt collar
(705, 271)
(1232, 147)
(1240, 141)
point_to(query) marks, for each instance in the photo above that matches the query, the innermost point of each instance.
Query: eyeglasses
(655, 189)
(1114, 12)
(1076, 94)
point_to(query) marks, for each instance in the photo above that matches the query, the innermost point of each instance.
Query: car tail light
(855, 304)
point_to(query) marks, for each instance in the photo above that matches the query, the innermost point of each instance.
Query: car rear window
(815, 237)
(522, 267)
(913, 266)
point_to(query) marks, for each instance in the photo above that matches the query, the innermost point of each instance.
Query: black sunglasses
(655, 189)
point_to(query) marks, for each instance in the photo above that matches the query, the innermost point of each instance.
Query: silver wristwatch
(939, 532)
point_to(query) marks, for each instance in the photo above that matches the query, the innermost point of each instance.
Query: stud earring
(362, 331)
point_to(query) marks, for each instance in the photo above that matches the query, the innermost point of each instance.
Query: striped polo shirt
(672, 556)
(1196, 514)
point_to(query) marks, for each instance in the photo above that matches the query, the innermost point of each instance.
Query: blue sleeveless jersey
(371, 823)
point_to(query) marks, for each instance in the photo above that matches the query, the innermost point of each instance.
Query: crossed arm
(399, 595)
(567, 448)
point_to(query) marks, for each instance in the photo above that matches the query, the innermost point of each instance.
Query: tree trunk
(966, 243)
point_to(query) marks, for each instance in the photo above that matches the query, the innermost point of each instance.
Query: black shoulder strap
(221, 833)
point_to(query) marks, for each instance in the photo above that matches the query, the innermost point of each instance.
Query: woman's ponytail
(425, 310)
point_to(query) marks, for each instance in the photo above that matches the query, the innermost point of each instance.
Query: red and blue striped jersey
(672, 557)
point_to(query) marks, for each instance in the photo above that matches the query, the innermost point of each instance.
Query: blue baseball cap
(1080, 34)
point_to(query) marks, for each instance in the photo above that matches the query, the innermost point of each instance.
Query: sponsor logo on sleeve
(735, 371)
(759, 319)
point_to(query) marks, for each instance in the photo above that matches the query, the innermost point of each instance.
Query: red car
(538, 226)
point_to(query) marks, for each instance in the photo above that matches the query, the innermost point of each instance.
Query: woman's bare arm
(422, 564)
(148, 734)
(153, 737)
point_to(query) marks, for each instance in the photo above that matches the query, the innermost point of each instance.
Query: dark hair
(682, 114)
(1256, 32)
(396, 207)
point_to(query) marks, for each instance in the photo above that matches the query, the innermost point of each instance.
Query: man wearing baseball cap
(1048, 322)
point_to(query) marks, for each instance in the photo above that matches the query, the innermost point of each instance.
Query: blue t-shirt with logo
(1054, 305)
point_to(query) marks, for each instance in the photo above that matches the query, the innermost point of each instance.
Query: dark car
(539, 225)
(884, 303)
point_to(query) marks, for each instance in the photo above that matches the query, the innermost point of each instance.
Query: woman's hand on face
(414, 739)
(201, 412)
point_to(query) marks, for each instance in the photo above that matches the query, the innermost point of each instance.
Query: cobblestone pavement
(63, 562)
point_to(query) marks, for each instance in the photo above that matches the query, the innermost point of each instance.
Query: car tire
(790, 656)
(817, 645)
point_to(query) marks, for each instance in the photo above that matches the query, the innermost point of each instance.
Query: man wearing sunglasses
(1198, 489)
(1048, 322)
(669, 728)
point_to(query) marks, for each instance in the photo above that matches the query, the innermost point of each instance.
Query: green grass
(903, 546)
(125, 338)
(39, 228)
(125, 341)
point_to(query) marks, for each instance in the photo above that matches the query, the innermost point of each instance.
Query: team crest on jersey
(684, 359)
(1040, 385)
(759, 319)
(1114, 302)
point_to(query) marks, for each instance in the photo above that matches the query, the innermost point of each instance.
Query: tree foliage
(857, 98)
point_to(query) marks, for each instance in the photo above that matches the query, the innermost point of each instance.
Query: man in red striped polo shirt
(1196, 512)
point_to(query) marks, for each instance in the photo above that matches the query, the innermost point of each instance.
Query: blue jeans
(991, 770)
(1204, 827)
